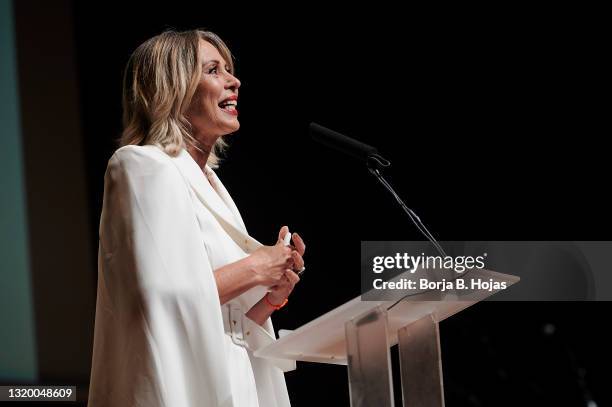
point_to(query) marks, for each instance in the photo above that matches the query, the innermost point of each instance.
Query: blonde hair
(159, 82)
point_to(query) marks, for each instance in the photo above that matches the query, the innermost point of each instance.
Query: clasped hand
(276, 265)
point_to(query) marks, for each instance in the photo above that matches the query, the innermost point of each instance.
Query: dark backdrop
(494, 122)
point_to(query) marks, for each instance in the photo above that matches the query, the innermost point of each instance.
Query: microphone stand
(376, 164)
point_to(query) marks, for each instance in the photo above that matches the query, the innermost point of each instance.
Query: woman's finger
(284, 280)
(281, 235)
(292, 277)
(298, 261)
(299, 243)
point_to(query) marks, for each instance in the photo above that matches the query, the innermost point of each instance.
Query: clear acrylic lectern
(359, 334)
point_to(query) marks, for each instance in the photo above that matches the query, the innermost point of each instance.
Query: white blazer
(158, 337)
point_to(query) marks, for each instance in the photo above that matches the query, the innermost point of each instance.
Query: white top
(159, 335)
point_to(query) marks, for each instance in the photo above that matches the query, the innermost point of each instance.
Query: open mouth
(229, 106)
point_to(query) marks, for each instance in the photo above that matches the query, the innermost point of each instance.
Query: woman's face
(213, 109)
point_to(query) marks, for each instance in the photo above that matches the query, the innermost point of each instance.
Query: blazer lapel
(225, 197)
(219, 204)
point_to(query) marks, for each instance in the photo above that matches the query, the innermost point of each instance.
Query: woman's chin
(234, 127)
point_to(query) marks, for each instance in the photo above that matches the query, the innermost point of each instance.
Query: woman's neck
(205, 145)
(200, 156)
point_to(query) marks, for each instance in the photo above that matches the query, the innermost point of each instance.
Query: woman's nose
(232, 82)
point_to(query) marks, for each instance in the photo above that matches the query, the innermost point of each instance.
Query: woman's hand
(282, 290)
(279, 291)
(271, 262)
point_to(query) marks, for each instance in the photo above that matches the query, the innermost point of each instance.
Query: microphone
(347, 145)
(375, 163)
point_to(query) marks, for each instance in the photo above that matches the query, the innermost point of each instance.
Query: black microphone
(347, 145)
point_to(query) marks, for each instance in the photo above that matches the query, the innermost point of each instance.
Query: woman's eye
(215, 70)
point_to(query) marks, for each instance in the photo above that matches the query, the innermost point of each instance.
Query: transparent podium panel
(369, 362)
(421, 363)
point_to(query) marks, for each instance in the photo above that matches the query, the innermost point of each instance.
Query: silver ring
(300, 271)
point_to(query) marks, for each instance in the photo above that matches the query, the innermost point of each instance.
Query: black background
(493, 120)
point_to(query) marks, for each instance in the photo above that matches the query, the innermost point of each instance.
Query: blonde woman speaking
(184, 293)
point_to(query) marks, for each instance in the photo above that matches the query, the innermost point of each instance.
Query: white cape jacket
(158, 337)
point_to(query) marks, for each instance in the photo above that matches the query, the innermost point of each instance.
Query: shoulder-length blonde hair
(160, 79)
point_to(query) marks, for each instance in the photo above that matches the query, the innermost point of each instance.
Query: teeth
(228, 103)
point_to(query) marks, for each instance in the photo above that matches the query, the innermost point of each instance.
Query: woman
(184, 293)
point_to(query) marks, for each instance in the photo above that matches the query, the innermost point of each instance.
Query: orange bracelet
(276, 307)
